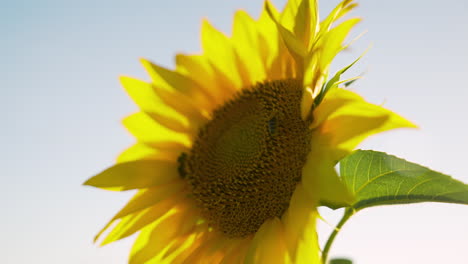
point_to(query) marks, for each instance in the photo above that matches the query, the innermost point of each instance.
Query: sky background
(61, 106)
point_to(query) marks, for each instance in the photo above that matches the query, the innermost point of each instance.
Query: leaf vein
(355, 173)
(419, 184)
(379, 176)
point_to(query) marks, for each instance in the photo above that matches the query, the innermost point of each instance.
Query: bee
(181, 168)
(272, 125)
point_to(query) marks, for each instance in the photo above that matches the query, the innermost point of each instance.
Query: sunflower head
(236, 147)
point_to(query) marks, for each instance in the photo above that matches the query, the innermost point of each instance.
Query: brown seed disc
(245, 163)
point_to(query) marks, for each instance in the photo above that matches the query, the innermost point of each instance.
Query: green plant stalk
(348, 213)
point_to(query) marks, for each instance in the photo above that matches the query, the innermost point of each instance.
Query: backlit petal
(151, 151)
(319, 176)
(332, 42)
(301, 17)
(145, 97)
(184, 105)
(132, 223)
(151, 196)
(199, 69)
(176, 82)
(146, 130)
(334, 100)
(135, 175)
(354, 120)
(269, 41)
(236, 252)
(211, 250)
(294, 45)
(219, 50)
(339, 11)
(155, 239)
(192, 245)
(245, 38)
(269, 245)
(300, 233)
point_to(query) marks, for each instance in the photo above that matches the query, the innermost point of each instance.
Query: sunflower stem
(347, 214)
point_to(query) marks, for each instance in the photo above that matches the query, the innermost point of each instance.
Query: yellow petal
(194, 244)
(300, 229)
(341, 122)
(175, 82)
(245, 39)
(288, 61)
(154, 239)
(218, 49)
(347, 131)
(339, 11)
(178, 92)
(146, 130)
(319, 176)
(198, 69)
(145, 97)
(332, 41)
(184, 105)
(268, 245)
(210, 251)
(236, 253)
(268, 38)
(269, 13)
(334, 100)
(135, 175)
(152, 151)
(132, 223)
(295, 47)
(173, 124)
(353, 122)
(301, 17)
(288, 16)
(148, 197)
(306, 103)
(184, 242)
(169, 145)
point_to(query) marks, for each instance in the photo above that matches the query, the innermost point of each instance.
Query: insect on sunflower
(236, 147)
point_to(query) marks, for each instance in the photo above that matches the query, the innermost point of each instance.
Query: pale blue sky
(61, 107)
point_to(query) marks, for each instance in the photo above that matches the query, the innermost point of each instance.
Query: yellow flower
(236, 147)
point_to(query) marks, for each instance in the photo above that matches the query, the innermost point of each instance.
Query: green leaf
(376, 178)
(340, 261)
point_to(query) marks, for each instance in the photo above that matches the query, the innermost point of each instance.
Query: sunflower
(236, 147)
